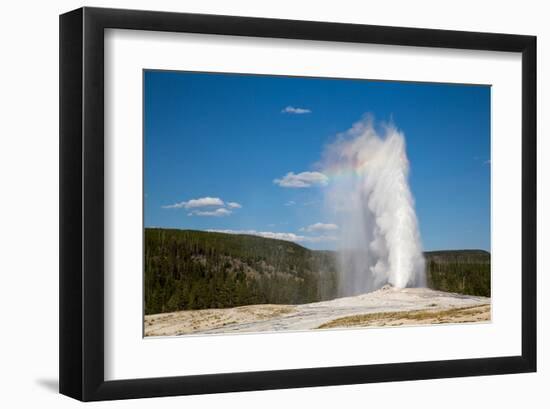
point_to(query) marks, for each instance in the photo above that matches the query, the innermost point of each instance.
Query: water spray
(369, 194)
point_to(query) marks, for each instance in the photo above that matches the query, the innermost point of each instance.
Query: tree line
(459, 271)
(186, 270)
(189, 270)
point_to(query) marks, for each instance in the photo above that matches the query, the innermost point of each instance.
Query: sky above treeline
(242, 153)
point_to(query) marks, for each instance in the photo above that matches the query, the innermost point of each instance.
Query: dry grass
(188, 322)
(453, 315)
(266, 313)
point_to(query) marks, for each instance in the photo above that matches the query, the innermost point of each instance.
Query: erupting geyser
(369, 193)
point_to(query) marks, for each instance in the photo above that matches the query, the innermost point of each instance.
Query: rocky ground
(385, 307)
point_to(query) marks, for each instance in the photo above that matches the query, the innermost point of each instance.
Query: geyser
(369, 194)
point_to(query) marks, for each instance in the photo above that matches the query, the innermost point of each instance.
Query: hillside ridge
(194, 269)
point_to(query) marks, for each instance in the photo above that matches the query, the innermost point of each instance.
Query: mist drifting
(369, 195)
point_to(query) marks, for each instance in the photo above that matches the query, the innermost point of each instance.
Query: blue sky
(231, 139)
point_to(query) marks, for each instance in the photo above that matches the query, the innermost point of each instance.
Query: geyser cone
(369, 193)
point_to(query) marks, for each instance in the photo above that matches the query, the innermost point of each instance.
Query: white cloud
(267, 234)
(279, 235)
(290, 203)
(194, 203)
(302, 180)
(296, 111)
(175, 205)
(214, 213)
(320, 227)
(215, 207)
(320, 239)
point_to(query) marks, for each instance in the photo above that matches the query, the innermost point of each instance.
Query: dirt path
(387, 306)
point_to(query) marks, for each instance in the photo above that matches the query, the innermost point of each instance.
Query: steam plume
(370, 196)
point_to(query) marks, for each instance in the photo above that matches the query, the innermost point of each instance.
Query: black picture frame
(81, 320)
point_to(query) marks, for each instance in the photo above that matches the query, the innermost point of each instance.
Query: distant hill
(187, 269)
(459, 271)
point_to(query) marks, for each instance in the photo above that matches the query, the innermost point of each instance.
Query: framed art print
(254, 204)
